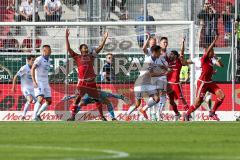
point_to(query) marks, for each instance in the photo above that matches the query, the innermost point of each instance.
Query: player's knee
(220, 94)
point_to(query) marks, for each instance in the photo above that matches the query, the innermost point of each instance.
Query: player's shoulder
(39, 58)
(23, 67)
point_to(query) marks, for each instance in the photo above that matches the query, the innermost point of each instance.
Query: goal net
(124, 45)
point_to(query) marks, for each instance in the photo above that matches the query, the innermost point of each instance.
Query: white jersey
(197, 67)
(160, 83)
(161, 61)
(43, 66)
(25, 75)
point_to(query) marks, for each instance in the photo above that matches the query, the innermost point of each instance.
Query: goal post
(123, 43)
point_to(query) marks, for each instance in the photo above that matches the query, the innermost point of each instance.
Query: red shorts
(177, 90)
(89, 88)
(204, 87)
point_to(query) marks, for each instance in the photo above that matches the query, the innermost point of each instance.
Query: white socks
(150, 103)
(43, 108)
(36, 108)
(25, 109)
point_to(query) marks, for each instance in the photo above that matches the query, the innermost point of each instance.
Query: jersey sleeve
(37, 62)
(21, 71)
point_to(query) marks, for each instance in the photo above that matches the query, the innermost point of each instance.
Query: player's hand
(67, 32)
(35, 84)
(105, 36)
(183, 39)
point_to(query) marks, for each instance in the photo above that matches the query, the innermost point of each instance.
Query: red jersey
(85, 65)
(174, 75)
(207, 68)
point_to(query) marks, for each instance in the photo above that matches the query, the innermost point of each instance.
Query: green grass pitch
(119, 140)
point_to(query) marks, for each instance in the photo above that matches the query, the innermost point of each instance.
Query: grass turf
(141, 140)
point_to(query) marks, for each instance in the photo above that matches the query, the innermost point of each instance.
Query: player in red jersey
(86, 76)
(205, 83)
(176, 61)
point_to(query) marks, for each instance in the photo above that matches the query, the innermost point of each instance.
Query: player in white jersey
(42, 89)
(27, 87)
(159, 81)
(198, 70)
(143, 84)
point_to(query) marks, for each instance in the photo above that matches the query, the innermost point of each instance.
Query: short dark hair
(29, 57)
(155, 48)
(175, 53)
(109, 54)
(46, 45)
(163, 38)
(82, 45)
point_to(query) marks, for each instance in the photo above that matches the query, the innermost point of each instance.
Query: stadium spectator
(53, 10)
(122, 5)
(227, 15)
(26, 11)
(108, 73)
(140, 29)
(209, 20)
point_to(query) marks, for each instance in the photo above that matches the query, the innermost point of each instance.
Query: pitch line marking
(115, 154)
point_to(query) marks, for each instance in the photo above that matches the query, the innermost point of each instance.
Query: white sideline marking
(114, 154)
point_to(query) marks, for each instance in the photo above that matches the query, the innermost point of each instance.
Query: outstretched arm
(100, 47)
(182, 48)
(69, 49)
(212, 45)
(145, 51)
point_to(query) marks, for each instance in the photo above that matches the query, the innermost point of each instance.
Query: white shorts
(144, 89)
(160, 83)
(27, 92)
(43, 90)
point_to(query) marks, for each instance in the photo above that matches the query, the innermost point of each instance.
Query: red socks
(175, 109)
(191, 109)
(99, 107)
(73, 110)
(217, 105)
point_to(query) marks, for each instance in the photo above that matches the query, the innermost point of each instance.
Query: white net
(124, 42)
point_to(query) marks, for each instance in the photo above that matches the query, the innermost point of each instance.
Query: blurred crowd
(215, 17)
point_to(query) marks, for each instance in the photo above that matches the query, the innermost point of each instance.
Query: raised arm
(182, 47)
(212, 45)
(144, 48)
(69, 49)
(100, 47)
